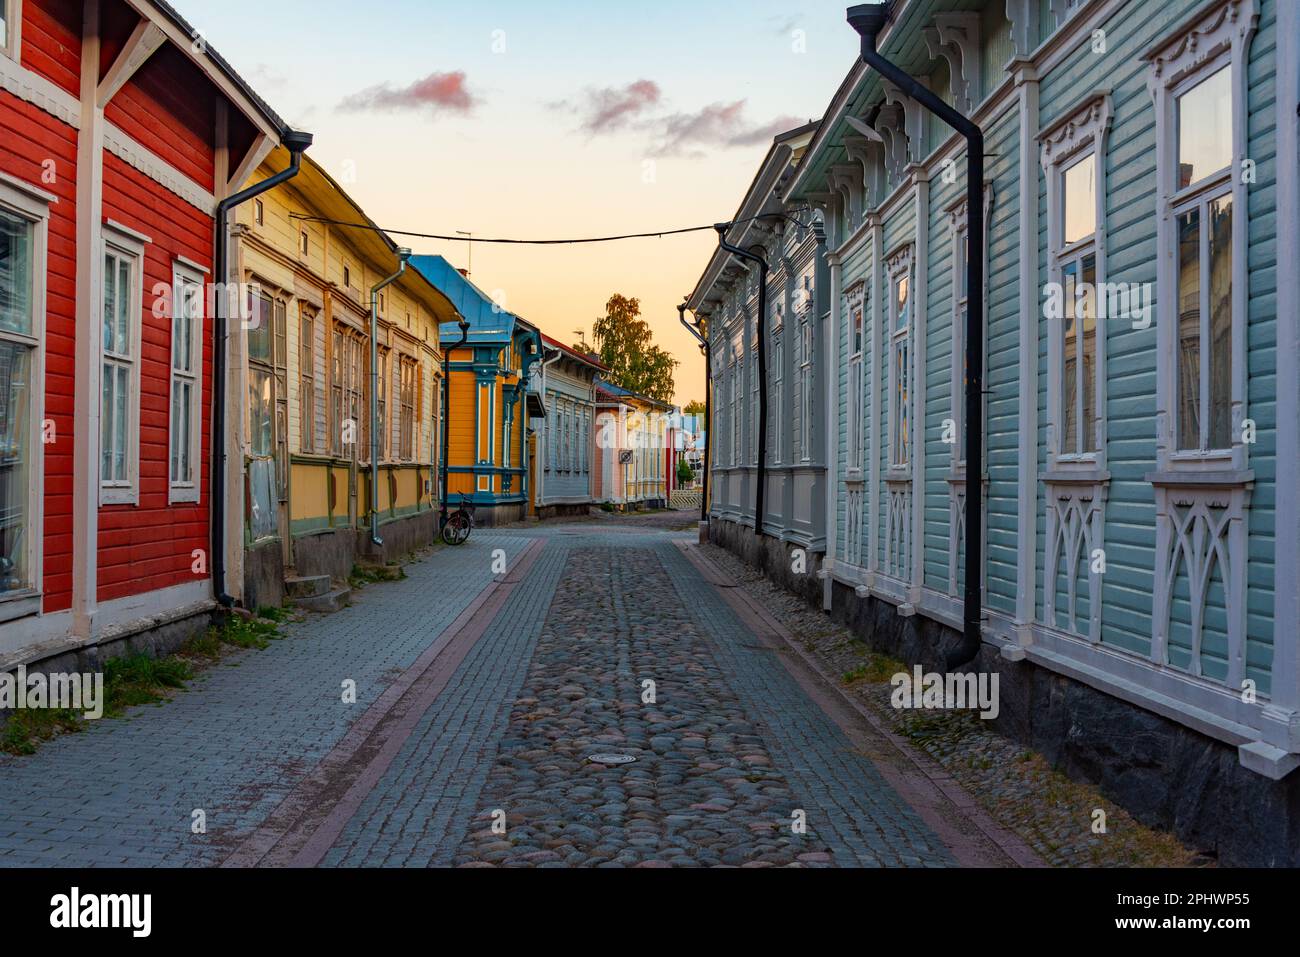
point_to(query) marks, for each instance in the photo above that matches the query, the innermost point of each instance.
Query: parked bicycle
(455, 531)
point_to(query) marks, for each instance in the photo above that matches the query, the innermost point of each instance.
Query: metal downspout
(868, 20)
(296, 143)
(694, 330)
(762, 369)
(403, 254)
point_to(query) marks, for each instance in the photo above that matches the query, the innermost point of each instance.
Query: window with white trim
(1198, 79)
(776, 362)
(24, 215)
(900, 367)
(857, 349)
(1203, 226)
(10, 21)
(186, 384)
(960, 307)
(1074, 163)
(119, 466)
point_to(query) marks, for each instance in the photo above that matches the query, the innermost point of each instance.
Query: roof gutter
(297, 143)
(403, 254)
(868, 20)
(762, 368)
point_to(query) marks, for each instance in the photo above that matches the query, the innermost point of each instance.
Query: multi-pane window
(307, 379)
(1077, 266)
(187, 327)
(900, 396)
(961, 256)
(776, 414)
(856, 344)
(1203, 227)
(268, 412)
(20, 350)
(410, 389)
(381, 403)
(119, 387)
(805, 385)
(6, 29)
(338, 356)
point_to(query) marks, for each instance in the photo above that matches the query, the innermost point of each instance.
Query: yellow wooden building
(303, 349)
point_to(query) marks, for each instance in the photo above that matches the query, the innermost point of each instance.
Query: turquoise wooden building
(1141, 413)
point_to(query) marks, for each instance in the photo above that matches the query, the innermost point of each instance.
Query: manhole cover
(611, 759)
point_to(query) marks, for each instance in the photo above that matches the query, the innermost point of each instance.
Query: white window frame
(1077, 137)
(899, 266)
(1218, 39)
(856, 312)
(13, 45)
(805, 385)
(25, 201)
(129, 245)
(186, 490)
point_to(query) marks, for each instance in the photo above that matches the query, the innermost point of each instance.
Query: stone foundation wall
(1163, 773)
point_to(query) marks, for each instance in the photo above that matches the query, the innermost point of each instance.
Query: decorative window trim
(186, 491)
(898, 265)
(130, 245)
(307, 410)
(1215, 38)
(777, 365)
(1079, 134)
(32, 204)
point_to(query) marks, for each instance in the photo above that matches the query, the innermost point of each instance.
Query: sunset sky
(534, 119)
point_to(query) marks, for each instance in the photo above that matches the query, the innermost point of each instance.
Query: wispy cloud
(436, 93)
(719, 125)
(608, 109)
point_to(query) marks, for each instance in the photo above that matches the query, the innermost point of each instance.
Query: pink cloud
(608, 109)
(719, 124)
(437, 92)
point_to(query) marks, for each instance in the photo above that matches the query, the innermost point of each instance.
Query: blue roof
(488, 322)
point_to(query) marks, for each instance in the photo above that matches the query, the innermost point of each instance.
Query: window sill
(1216, 478)
(183, 496)
(1075, 476)
(114, 495)
(22, 604)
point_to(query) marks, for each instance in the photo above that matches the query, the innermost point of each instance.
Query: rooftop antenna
(469, 244)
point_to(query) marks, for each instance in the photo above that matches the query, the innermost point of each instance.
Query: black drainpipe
(297, 144)
(868, 20)
(762, 367)
(708, 406)
(446, 416)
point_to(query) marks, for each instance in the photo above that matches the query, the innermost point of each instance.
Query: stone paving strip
(972, 835)
(414, 815)
(304, 827)
(730, 754)
(1016, 787)
(235, 744)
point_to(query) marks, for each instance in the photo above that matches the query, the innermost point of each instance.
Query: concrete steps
(316, 593)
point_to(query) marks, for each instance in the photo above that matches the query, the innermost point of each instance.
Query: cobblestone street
(480, 703)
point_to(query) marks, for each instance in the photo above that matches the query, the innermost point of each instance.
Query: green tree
(626, 346)
(696, 407)
(685, 474)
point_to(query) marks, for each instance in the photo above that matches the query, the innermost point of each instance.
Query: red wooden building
(120, 131)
